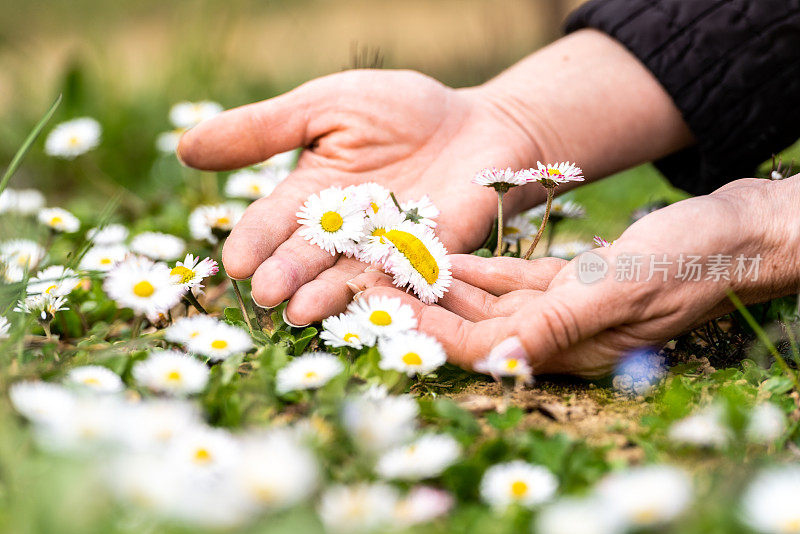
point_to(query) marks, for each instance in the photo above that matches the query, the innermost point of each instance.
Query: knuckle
(560, 326)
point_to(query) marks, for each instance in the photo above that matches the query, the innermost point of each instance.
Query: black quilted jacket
(731, 66)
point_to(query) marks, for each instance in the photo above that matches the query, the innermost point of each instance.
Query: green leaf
(504, 421)
(483, 253)
(233, 315)
(303, 339)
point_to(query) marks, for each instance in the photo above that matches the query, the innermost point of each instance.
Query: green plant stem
(194, 302)
(550, 195)
(137, 327)
(396, 203)
(793, 344)
(499, 250)
(241, 304)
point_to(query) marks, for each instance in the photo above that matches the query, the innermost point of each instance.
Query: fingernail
(355, 288)
(509, 348)
(287, 321)
(358, 295)
(372, 269)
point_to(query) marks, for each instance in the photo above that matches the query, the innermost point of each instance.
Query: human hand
(400, 129)
(541, 309)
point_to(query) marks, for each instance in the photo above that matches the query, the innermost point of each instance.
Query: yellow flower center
(91, 381)
(174, 376)
(380, 318)
(416, 253)
(105, 261)
(223, 221)
(194, 334)
(645, 516)
(310, 375)
(55, 221)
(508, 230)
(144, 289)
(519, 488)
(511, 364)
(350, 336)
(184, 273)
(412, 358)
(553, 172)
(331, 221)
(374, 207)
(51, 288)
(255, 189)
(23, 259)
(74, 141)
(202, 456)
(219, 344)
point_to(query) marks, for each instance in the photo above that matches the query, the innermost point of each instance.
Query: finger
(503, 274)
(266, 224)
(326, 295)
(294, 263)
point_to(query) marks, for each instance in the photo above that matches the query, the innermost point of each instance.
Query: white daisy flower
(500, 180)
(186, 329)
(59, 219)
(376, 197)
(158, 246)
(309, 371)
(95, 378)
(169, 371)
(275, 470)
(213, 222)
(142, 285)
(70, 139)
(422, 211)
(569, 249)
(705, 428)
(357, 508)
(204, 450)
(167, 142)
(344, 330)
(517, 228)
(83, 429)
(146, 481)
(767, 423)
(189, 114)
(411, 353)
(554, 175)
(377, 421)
(21, 201)
(383, 316)
(110, 234)
(769, 504)
(284, 160)
(5, 328)
(151, 425)
(422, 504)
(192, 271)
(646, 496)
(252, 184)
(17, 257)
(500, 365)
(220, 341)
(43, 306)
(103, 258)
(330, 221)
(559, 209)
(8, 200)
(578, 516)
(56, 280)
(517, 482)
(376, 225)
(41, 402)
(415, 258)
(426, 457)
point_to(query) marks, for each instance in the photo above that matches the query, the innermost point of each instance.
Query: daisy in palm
(59, 220)
(333, 220)
(383, 316)
(173, 372)
(220, 341)
(309, 371)
(95, 378)
(501, 181)
(56, 280)
(422, 211)
(371, 248)
(158, 246)
(344, 330)
(376, 196)
(411, 353)
(517, 482)
(70, 139)
(142, 285)
(191, 272)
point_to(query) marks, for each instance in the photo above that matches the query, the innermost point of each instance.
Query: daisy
(151, 425)
(578, 516)
(769, 504)
(5, 328)
(251, 184)
(204, 450)
(357, 508)
(110, 234)
(415, 258)
(767, 423)
(214, 222)
(169, 371)
(500, 180)
(501, 365)
(551, 176)
(19, 256)
(186, 329)
(376, 225)
(312, 370)
(517, 228)
(411, 353)
(422, 211)
(103, 258)
(344, 330)
(8, 200)
(59, 219)
(559, 209)
(43, 306)
(422, 504)
(426, 457)
(600, 242)
(220, 341)
(158, 246)
(167, 142)
(41, 402)
(96, 378)
(377, 421)
(192, 270)
(21, 201)
(377, 197)
(275, 470)
(189, 114)
(330, 221)
(569, 249)
(383, 316)
(647, 496)
(704, 428)
(70, 139)
(517, 482)
(56, 280)
(142, 285)
(83, 429)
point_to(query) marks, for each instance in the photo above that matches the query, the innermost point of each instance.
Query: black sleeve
(732, 68)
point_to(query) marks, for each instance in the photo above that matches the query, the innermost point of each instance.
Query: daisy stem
(396, 203)
(137, 327)
(241, 304)
(499, 250)
(46, 328)
(194, 302)
(550, 195)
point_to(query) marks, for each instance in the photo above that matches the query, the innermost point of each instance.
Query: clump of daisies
(367, 222)
(73, 138)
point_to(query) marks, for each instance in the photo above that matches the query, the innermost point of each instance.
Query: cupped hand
(400, 129)
(564, 321)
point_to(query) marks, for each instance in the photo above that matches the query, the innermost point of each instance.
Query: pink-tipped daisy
(500, 180)
(192, 270)
(553, 175)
